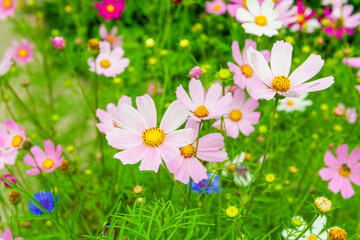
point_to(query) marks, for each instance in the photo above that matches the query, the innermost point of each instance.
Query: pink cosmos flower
(244, 75)
(342, 170)
(353, 62)
(7, 235)
(141, 139)
(110, 36)
(236, 4)
(277, 77)
(287, 13)
(9, 178)
(109, 62)
(187, 165)
(58, 43)
(217, 7)
(204, 106)
(195, 72)
(304, 19)
(341, 21)
(7, 156)
(105, 117)
(153, 88)
(110, 9)
(240, 115)
(44, 161)
(5, 63)
(7, 8)
(22, 52)
(350, 113)
(12, 135)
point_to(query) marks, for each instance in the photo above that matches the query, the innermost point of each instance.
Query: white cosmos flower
(315, 232)
(259, 20)
(294, 104)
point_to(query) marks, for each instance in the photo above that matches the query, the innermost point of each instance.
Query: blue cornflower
(211, 187)
(46, 199)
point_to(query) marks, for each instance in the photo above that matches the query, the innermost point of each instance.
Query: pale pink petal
(180, 137)
(194, 125)
(328, 173)
(168, 152)
(29, 160)
(250, 105)
(331, 161)
(147, 110)
(280, 59)
(151, 161)
(313, 86)
(354, 156)
(347, 190)
(123, 139)
(220, 106)
(232, 129)
(262, 93)
(33, 171)
(196, 169)
(307, 70)
(236, 53)
(127, 117)
(252, 117)
(336, 183)
(103, 31)
(38, 153)
(7, 234)
(196, 92)
(213, 95)
(342, 153)
(245, 127)
(352, 62)
(266, 54)
(261, 68)
(211, 142)
(184, 98)
(233, 67)
(175, 164)
(49, 149)
(182, 173)
(355, 178)
(132, 155)
(174, 117)
(212, 156)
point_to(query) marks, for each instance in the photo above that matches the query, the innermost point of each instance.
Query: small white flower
(290, 104)
(259, 20)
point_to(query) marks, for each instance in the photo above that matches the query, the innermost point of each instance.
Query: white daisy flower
(315, 232)
(294, 104)
(259, 20)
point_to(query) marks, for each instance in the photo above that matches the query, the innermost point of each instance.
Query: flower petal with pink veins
(196, 169)
(168, 152)
(328, 173)
(212, 156)
(151, 161)
(211, 142)
(132, 155)
(347, 190)
(146, 107)
(180, 137)
(213, 95)
(127, 117)
(250, 105)
(307, 70)
(221, 105)
(184, 98)
(236, 53)
(123, 139)
(313, 86)
(174, 117)
(280, 58)
(196, 92)
(261, 68)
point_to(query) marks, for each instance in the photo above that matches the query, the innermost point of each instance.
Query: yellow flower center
(153, 137)
(111, 39)
(337, 234)
(201, 111)
(344, 170)
(217, 7)
(290, 103)
(245, 3)
(300, 18)
(235, 115)
(312, 237)
(16, 141)
(187, 151)
(105, 63)
(22, 53)
(110, 8)
(7, 3)
(247, 70)
(261, 20)
(48, 163)
(281, 83)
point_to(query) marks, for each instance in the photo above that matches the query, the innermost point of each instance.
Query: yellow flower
(184, 43)
(337, 234)
(152, 61)
(150, 42)
(269, 178)
(232, 212)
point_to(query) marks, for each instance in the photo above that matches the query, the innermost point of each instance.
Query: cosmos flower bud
(338, 111)
(337, 234)
(59, 43)
(184, 43)
(150, 42)
(14, 197)
(9, 178)
(232, 212)
(323, 204)
(195, 72)
(65, 167)
(93, 44)
(138, 189)
(297, 222)
(269, 178)
(224, 74)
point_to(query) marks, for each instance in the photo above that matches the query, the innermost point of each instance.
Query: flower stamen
(281, 83)
(247, 70)
(261, 20)
(105, 63)
(235, 115)
(345, 170)
(201, 111)
(48, 163)
(110, 8)
(187, 151)
(153, 137)
(16, 141)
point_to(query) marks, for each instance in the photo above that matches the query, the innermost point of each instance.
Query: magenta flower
(195, 72)
(44, 161)
(342, 170)
(105, 117)
(22, 52)
(109, 62)
(204, 106)
(110, 9)
(277, 77)
(12, 135)
(5, 63)
(110, 36)
(7, 8)
(244, 75)
(58, 42)
(7, 235)
(9, 178)
(187, 165)
(141, 139)
(217, 7)
(240, 115)
(304, 19)
(353, 62)
(341, 21)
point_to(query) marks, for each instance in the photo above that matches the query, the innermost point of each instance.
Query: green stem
(262, 165)
(307, 227)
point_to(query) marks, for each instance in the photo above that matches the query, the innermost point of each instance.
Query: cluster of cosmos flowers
(178, 141)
